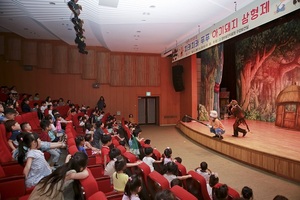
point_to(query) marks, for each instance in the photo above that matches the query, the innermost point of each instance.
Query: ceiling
(144, 26)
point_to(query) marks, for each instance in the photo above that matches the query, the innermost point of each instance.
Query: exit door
(148, 110)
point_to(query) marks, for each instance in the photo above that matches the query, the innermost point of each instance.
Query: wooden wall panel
(130, 70)
(103, 67)
(154, 70)
(29, 52)
(142, 71)
(89, 70)
(45, 55)
(1, 45)
(60, 59)
(117, 70)
(74, 61)
(14, 48)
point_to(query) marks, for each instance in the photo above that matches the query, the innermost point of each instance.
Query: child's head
(247, 193)
(89, 126)
(10, 113)
(213, 180)
(49, 117)
(176, 181)
(147, 141)
(221, 192)
(29, 140)
(78, 161)
(213, 114)
(165, 195)
(106, 139)
(203, 166)
(168, 152)
(12, 125)
(178, 159)
(133, 185)
(25, 127)
(79, 141)
(148, 151)
(88, 137)
(45, 125)
(113, 153)
(120, 164)
(171, 168)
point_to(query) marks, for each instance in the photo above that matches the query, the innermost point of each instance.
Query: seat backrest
(156, 182)
(2, 173)
(232, 193)
(197, 185)
(181, 169)
(121, 148)
(130, 157)
(19, 119)
(72, 149)
(145, 171)
(5, 151)
(98, 196)
(182, 194)
(89, 185)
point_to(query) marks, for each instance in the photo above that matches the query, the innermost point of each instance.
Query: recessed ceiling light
(143, 20)
(152, 6)
(138, 31)
(69, 29)
(52, 3)
(26, 29)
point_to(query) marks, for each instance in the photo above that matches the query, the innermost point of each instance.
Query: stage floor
(263, 136)
(266, 146)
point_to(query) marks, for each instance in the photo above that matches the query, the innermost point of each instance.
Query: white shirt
(149, 161)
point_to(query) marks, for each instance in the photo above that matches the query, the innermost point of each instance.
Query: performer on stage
(239, 115)
(216, 125)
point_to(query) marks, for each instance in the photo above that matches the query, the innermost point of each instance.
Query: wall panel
(117, 70)
(74, 61)
(89, 67)
(130, 70)
(142, 71)
(29, 52)
(103, 67)
(14, 48)
(1, 45)
(154, 70)
(60, 59)
(45, 55)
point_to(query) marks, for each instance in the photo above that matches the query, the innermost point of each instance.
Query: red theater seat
(182, 194)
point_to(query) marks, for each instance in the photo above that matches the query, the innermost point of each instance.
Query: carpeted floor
(235, 174)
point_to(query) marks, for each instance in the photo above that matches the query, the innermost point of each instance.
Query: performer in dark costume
(239, 115)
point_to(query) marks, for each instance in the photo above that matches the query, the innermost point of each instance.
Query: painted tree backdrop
(211, 76)
(266, 63)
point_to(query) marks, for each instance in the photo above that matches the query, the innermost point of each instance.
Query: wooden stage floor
(266, 146)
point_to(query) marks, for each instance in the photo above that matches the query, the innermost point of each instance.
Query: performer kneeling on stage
(239, 115)
(216, 125)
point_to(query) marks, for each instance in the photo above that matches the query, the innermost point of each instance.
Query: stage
(266, 146)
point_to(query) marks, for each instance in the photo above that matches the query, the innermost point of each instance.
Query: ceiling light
(152, 6)
(52, 3)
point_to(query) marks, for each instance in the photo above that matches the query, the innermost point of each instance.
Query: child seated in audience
(59, 121)
(134, 141)
(36, 166)
(119, 177)
(106, 142)
(1, 112)
(280, 197)
(9, 114)
(87, 144)
(80, 144)
(213, 180)
(171, 172)
(165, 195)
(148, 158)
(167, 155)
(176, 181)
(15, 129)
(60, 184)
(220, 193)
(132, 188)
(247, 193)
(204, 171)
(43, 106)
(178, 159)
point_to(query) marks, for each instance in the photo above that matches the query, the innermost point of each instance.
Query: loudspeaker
(186, 119)
(177, 71)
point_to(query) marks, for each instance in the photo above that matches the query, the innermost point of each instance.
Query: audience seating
(182, 194)
(5, 150)
(131, 158)
(156, 182)
(121, 148)
(143, 172)
(197, 185)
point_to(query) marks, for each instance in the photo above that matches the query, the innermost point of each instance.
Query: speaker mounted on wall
(177, 72)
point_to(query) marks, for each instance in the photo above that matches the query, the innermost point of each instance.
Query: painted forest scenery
(266, 64)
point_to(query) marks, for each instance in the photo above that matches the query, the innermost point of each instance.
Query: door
(148, 110)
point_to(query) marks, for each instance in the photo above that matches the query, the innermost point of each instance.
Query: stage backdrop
(267, 63)
(211, 76)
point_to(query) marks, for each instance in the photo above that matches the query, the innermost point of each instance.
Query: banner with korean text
(249, 17)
